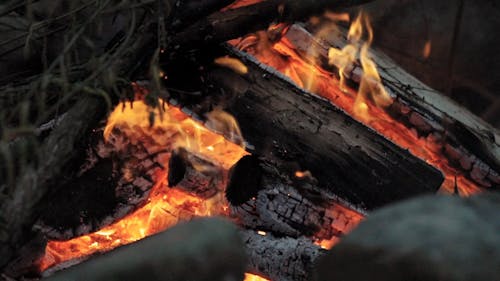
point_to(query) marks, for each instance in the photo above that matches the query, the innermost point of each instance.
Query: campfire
(292, 127)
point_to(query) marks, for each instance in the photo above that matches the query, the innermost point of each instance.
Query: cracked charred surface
(348, 159)
(115, 180)
(281, 259)
(468, 144)
(288, 205)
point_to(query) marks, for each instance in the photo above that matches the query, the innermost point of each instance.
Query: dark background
(466, 68)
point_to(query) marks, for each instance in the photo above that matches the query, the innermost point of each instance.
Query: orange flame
(426, 51)
(165, 206)
(337, 16)
(370, 87)
(235, 64)
(253, 277)
(307, 74)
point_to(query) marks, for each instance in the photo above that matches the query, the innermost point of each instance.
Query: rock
(429, 238)
(204, 249)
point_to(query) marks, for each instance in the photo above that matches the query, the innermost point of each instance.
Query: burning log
(194, 174)
(469, 143)
(19, 212)
(204, 249)
(116, 180)
(284, 205)
(347, 158)
(280, 259)
(226, 25)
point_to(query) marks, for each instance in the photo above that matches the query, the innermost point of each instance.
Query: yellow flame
(342, 59)
(345, 17)
(234, 64)
(225, 124)
(371, 88)
(179, 130)
(253, 277)
(356, 29)
(165, 207)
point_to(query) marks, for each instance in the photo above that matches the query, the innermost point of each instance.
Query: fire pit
(274, 115)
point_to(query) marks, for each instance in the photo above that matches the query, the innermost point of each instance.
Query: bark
(288, 205)
(225, 25)
(204, 249)
(191, 10)
(19, 212)
(116, 179)
(469, 143)
(280, 259)
(30, 44)
(194, 174)
(347, 158)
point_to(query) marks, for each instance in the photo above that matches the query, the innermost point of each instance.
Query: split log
(203, 249)
(230, 24)
(286, 205)
(115, 180)
(470, 144)
(280, 259)
(348, 159)
(194, 174)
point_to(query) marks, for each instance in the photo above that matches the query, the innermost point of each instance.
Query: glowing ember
(252, 277)
(426, 51)
(165, 206)
(241, 3)
(367, 105)
(168, 206)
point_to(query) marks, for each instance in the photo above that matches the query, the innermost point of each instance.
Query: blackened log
(19, 211)
(470, 144)
(225, 25)
(347, 158)
(245, 179)
(29, 43)
(280, 259)
(115, 180)
(286, 204)
(194, 174)
(203, 249)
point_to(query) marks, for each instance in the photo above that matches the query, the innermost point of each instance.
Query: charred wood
(346, 157)
(19, 211)
(287, 205)
(194, 174)
(191, 10)
(470, 144)
(115, 180)
(230, 24)
(280, 259)
(245, 179)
